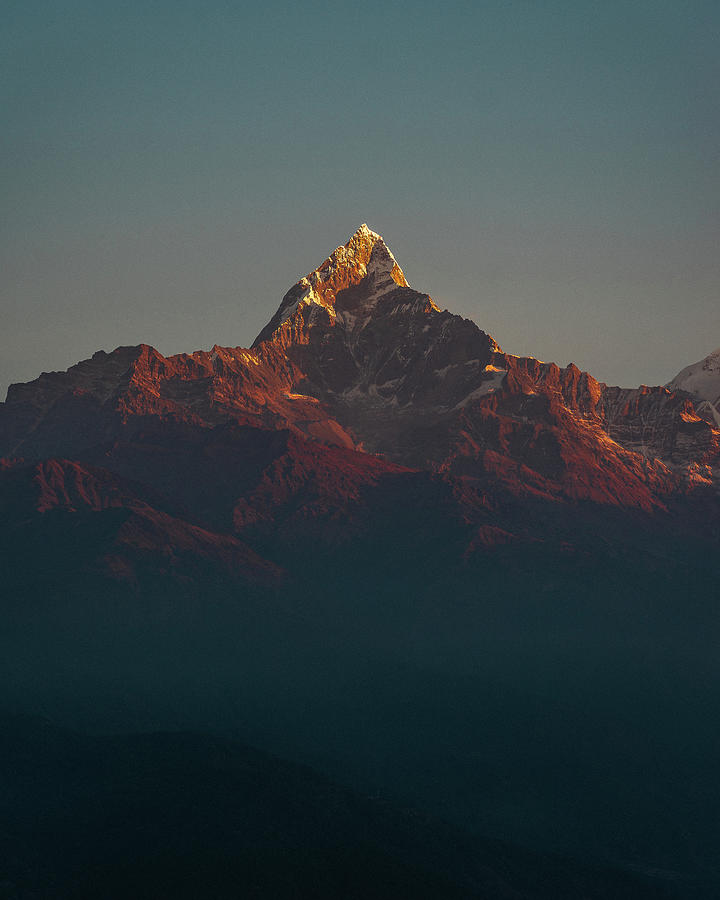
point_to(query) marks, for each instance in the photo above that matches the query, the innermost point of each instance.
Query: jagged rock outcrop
(660, 423)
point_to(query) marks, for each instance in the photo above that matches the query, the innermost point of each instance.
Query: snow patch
(488, 386)
(291, 308)
(710, 407)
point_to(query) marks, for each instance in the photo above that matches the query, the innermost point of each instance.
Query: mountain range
(367, 378)
(377, 543)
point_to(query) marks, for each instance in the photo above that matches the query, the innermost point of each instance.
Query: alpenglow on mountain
(356, 358)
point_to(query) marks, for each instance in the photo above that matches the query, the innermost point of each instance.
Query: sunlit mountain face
(457, 581)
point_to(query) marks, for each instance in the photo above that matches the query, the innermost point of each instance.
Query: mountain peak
(364, 258)
(365, 230)
(702, 381)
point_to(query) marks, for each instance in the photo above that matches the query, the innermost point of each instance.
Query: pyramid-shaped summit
(364, 260)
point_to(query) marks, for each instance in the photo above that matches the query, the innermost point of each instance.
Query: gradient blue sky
(549, 169)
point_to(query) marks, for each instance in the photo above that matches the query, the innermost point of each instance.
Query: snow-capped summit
(702, 380)
(365, 259)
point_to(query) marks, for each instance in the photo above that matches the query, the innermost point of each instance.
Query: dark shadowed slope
(185, 816)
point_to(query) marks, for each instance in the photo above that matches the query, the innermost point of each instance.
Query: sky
(550, 169)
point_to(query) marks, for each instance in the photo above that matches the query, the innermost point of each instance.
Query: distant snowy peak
(365, 259)
(702, 380)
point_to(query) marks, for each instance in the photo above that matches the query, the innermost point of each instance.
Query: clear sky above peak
(170, 169)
